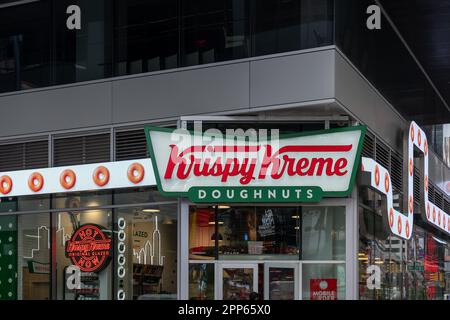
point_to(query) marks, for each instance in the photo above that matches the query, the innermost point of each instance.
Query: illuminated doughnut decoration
(101, 176)
(391, 217)
(411, 204)
(5, 184)
(407, 228)
(377, 175)
(67, 179)
(136, 172)
(411, 167)
(36, 181)
(387, 181)
(402, 224)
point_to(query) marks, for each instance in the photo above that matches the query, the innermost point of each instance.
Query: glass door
(281, 281)
(236, 281)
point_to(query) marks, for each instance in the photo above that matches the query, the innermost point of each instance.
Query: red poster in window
(89, 248)
(323, 289)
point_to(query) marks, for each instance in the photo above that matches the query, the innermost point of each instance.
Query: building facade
(77, 102)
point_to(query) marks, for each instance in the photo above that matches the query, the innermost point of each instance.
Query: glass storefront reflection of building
(141, 264)
(417, 269)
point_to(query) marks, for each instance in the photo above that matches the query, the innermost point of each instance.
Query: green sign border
(329, 194)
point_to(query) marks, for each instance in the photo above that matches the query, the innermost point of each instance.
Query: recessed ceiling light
(151, 210)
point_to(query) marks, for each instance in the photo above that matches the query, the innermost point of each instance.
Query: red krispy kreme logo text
(183, 164)
(89, 248)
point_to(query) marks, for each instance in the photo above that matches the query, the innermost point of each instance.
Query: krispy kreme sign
(377, 177)
(89, 248)
(296, 167)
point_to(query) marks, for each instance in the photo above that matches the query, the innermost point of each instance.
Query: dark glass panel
(84, 54)
(213, 31)
(25, 46)
(145, 36)
(287, 25)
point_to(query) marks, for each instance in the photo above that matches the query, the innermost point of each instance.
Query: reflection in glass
(323, 281)
(281, 283)
(237, 283)
(323, 233)
(201, 281)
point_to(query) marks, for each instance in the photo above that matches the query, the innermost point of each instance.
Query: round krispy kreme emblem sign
(89, 248)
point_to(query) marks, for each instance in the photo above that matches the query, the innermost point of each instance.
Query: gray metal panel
(365, 103)
(436, 170)
(55, 109)
(185, 92)
(293, 78)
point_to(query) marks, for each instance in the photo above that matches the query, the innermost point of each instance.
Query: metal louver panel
(368, 149)
(382, 155)
(417, 197)
(431, 192)
(446, 205)
(131, 145)
(397, 172)
(27, 155)
(438, 199)
(82, 150)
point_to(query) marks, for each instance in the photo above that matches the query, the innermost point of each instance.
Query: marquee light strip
(401, 224)
(98, 176)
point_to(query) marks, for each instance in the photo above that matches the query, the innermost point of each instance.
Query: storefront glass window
(259, 233)
(201, 281)
(202, 233)
(71, 236)
(33, 203)
(138, 196)
(34, 253)
(415, 286)
(323, 233)
(267, 233)
(323, 281)
(416, 269)
(81, 200)
(146, 252)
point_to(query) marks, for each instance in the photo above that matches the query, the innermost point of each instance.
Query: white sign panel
(296, 167)
(108, 175)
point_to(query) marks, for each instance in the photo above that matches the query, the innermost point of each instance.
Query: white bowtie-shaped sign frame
(401, 224)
